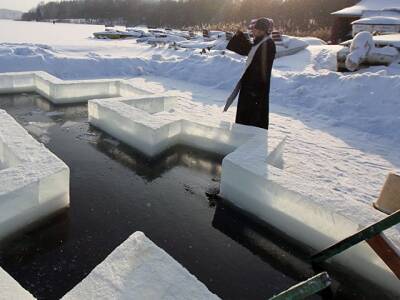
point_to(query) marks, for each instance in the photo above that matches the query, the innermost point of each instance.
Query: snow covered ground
(342, 129)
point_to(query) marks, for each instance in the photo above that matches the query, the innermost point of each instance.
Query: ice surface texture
(63, 92)
(34, 182)
(10, 289)
(138, 269)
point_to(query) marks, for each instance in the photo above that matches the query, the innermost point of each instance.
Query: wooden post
(384, 249)
(365, 234)
(305, 289)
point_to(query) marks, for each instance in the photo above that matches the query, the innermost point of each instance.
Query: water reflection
(265, 242)
(32, 104)
(153, 168)
(45, 236)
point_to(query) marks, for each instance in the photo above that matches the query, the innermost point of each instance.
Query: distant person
(254, 85)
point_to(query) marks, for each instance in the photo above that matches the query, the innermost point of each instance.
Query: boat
(111, 33)
(289, 45)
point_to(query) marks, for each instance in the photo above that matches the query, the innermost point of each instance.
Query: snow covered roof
(388, 40)
(357, 10)
(378, 20)
(384, 13)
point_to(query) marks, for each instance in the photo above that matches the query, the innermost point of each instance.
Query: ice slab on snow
(34, 182)
(138, 269)
(63, 92)
(10, 289)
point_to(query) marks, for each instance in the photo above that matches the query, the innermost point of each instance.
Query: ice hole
(118, 191)
(115, 191)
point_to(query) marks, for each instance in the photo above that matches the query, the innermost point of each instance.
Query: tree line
(287, 14)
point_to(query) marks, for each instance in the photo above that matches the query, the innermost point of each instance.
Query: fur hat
(264, 24)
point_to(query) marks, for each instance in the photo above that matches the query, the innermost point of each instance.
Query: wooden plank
(386, 252)
(356, 238)
(305, 289)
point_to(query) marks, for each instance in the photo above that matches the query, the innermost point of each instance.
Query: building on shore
(378, 10)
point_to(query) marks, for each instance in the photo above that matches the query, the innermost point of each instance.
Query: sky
(22, 5)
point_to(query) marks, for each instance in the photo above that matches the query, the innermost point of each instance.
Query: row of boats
(206, 40)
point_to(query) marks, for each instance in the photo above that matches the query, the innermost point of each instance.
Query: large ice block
(309, 214)
(149, 124)
(65, 91)
(138, 269)
(10, 289)
(34, 183)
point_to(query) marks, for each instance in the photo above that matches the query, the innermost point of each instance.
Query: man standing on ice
(254, 84)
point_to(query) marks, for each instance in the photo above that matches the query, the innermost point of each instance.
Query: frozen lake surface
(115, 192)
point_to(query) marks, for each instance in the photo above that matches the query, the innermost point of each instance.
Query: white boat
(111, 33)
(134, 32)
(289, 45)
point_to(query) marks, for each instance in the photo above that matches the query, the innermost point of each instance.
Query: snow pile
(10, 289)
(367, 101)
(34, 182)
(361, 45)
(138, 269)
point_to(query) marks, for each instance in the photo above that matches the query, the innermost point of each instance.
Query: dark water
(116, 191)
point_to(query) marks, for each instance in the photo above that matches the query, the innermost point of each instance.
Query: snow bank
(138, 269)
(34, 182)
(10, 289)
(306, 81)
(366, 101)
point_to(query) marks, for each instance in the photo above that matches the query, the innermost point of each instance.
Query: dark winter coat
(253, 105)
